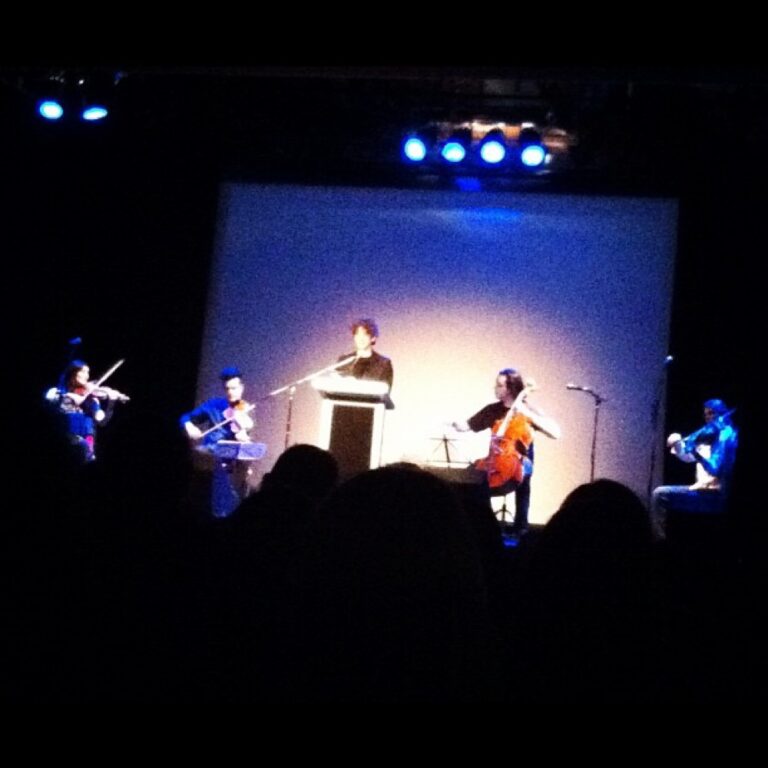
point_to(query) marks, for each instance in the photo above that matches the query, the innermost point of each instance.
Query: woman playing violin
(512, 422)
(84, 404)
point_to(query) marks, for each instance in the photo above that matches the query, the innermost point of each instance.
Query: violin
(98, 391)
(239, 420)
(708, 430)
(512, 437)
(237, 416)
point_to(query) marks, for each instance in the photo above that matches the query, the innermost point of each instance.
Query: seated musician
(713, 449)
(221, 419)
(511, 395)
(84, 405)
(367, 364)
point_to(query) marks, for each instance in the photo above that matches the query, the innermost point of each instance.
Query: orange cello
(510, 440)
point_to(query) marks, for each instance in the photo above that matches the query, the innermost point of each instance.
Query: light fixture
(493, 147)
(456, 145)
(50, 104)
(532, 151)
(50, 109)
(487, 147)
(421, 143)
(95, 91)
(71, 96)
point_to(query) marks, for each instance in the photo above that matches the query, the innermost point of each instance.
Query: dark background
(109, 227)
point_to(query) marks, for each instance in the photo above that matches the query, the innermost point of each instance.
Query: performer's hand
(673, 439)
(192, 431)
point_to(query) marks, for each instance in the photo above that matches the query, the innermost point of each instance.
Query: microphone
(74, 342)
(576, 386)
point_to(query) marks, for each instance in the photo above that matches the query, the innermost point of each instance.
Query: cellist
(512, 422)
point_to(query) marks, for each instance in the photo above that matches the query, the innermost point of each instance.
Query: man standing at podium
(367, 364)
(214, 422)
(354, 419)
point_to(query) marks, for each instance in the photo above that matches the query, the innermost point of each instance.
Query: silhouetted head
(306, 469)
(599, 522)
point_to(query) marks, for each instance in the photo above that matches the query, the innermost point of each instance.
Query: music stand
(444, 442)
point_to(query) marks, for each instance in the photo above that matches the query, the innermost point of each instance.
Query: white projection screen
(567, 289)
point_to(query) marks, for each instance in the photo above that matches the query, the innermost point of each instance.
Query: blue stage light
(453, 151)
(94, 112)
(457, 145)
(493, 148)
(533, 155)
(50, 109)
(532, 152)
(414, 149)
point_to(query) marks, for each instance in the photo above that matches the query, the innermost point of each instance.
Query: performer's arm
(479, 421)
(711, 465)
(389, 374)
(678, 448)
(545, 424)
(721, 457)
(189, 426)
(104, 413)
(193, 432)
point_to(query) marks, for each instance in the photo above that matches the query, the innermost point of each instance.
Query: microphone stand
(599, 400)
(655, 409)
(291, 389)
(291, 393)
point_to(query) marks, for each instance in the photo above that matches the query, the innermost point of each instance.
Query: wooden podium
(352, 421)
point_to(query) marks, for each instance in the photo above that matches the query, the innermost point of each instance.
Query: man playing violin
(221, 418)
(519, 420)
(713, 449)
(84, 404)
(217, 421)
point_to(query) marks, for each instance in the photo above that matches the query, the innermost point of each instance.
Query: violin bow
(109, 373)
